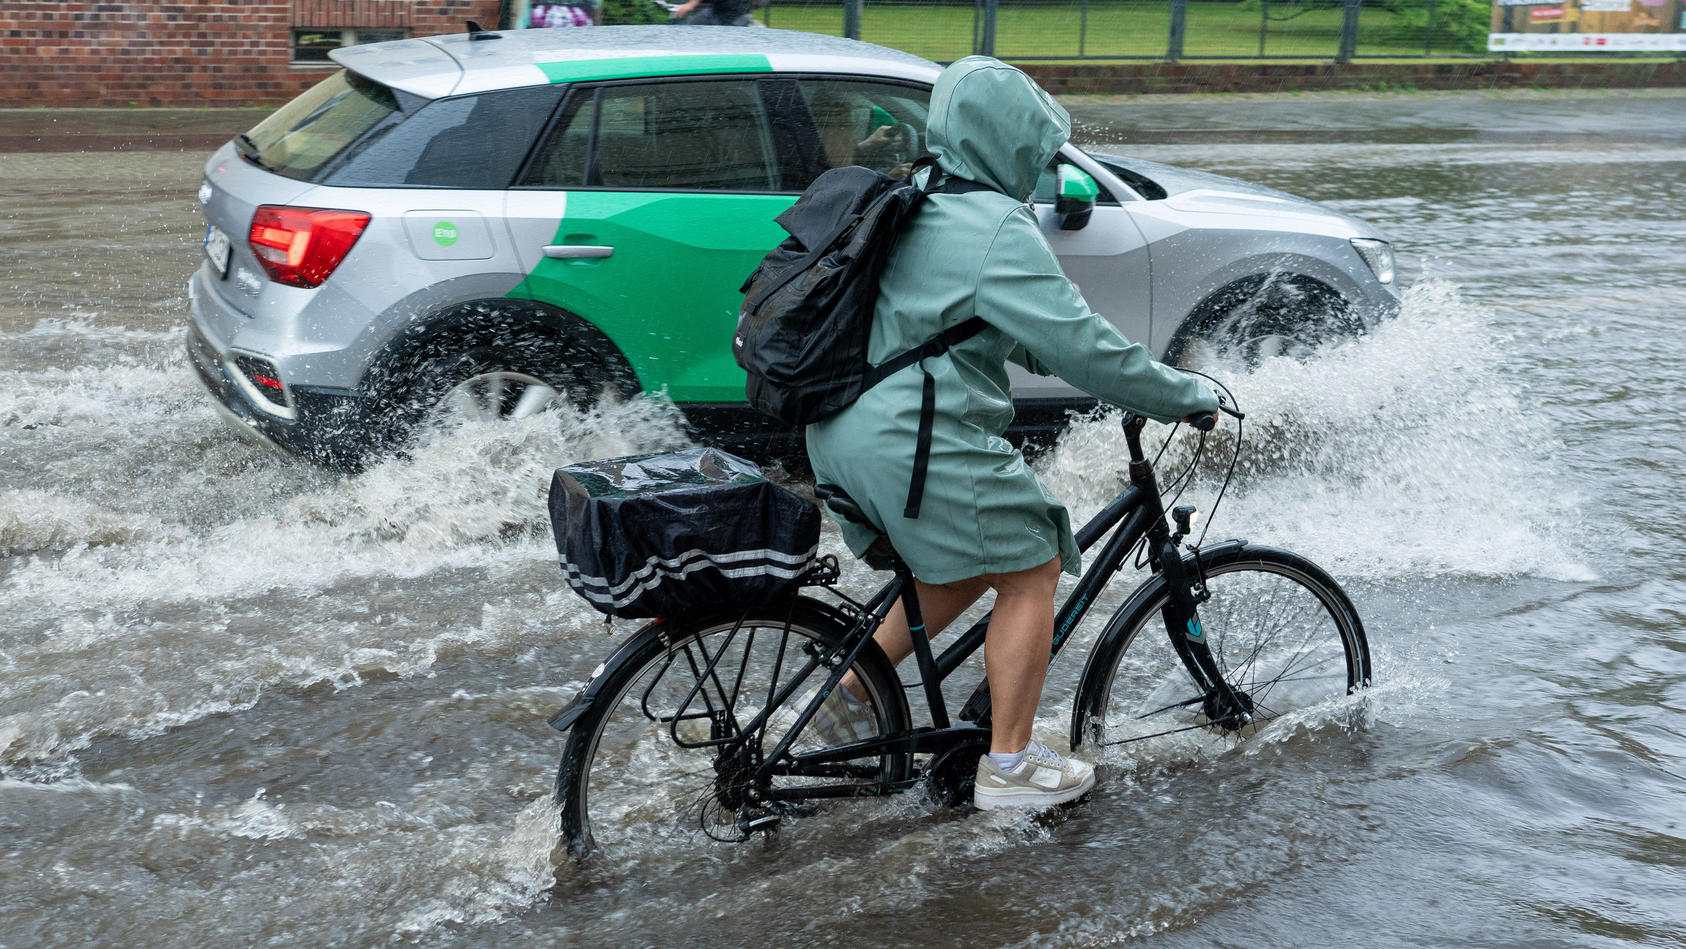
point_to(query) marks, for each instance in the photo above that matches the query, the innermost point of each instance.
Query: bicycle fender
(570, 713)
(1104, 655)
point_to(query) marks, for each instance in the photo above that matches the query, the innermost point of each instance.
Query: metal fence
(1339, 30)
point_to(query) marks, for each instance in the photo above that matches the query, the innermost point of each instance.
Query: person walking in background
(713, 13)
(544, 16)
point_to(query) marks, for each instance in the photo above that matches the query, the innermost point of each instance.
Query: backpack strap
(936, 346)
(953, 185)
(942, 182)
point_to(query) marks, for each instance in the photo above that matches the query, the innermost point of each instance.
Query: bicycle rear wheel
(1281, 630)
(651, 763)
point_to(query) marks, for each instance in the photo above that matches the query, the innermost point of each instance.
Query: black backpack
(807, 313)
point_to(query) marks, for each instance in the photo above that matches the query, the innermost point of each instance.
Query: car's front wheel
(1264, 318)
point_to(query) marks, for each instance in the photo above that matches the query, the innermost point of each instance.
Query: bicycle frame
(1136, 513)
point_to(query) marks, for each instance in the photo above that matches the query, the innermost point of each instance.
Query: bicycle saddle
(845, 506)
(879, 556)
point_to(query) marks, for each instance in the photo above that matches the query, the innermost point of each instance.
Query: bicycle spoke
(1170, 731)
(1312, 630)
(1294, 663)
(1275, 628)
(1270, 685)
(1295, 666)
(1166, 708)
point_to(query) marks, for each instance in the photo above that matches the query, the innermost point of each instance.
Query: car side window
(560, 162)
(709, 135)
(879, 125)
(445, 143)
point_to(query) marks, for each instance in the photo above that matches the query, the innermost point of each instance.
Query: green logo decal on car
(444, 233)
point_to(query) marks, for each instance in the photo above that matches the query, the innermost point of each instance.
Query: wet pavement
(244, 702)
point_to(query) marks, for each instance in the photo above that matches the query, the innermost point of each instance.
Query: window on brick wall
(313, 45)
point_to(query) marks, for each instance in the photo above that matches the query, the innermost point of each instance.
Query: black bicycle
(699, 724)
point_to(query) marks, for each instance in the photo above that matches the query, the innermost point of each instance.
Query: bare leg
(1021, 631)
(940, 603)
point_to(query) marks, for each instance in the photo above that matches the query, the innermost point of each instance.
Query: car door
(643, 210)
(1108, 260)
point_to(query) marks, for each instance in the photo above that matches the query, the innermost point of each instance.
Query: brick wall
(225, 53)
(200, 53)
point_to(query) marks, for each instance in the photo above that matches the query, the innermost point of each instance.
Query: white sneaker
(1041, 780)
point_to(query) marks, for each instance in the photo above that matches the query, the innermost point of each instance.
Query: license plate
(216, 249)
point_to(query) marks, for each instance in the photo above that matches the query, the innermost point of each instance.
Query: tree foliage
(632, 12)
(1459, 25)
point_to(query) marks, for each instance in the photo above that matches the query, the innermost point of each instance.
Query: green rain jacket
(981, 253)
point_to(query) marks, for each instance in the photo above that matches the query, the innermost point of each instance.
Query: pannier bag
(666, 534)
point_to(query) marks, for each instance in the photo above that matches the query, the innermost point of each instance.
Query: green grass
(1114, 28)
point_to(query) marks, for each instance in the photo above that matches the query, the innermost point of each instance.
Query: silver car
(486, 223)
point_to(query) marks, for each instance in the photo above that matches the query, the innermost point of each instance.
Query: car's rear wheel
(498, 384)
(497, 395)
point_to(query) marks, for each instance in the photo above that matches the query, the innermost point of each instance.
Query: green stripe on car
(627, 67)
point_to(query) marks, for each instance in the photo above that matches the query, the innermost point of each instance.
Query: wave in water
(1410, 451)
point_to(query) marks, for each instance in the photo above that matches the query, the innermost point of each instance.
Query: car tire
(493, 383)
(1265, 317)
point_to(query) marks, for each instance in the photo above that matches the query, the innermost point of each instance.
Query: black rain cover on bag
(660, 535)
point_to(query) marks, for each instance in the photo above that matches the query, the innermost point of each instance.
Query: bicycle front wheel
(666, 755)
(1282, 632)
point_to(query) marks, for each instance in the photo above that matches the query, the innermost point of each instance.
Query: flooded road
(246, 703)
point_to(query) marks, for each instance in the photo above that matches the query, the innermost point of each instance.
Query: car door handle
(569, 251)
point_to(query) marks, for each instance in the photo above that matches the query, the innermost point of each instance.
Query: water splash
(466, 496)
(1410, 451)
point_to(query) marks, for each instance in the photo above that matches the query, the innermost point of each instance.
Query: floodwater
(245, 703)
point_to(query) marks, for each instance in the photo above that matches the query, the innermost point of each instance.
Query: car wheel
(1267, 318)
(496, 396)
(494, 385)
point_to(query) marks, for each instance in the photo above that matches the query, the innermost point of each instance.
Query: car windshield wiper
(248, 149)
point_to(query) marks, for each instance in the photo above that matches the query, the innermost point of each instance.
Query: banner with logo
(1588, 26)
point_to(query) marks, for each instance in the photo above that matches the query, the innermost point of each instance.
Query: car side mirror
(1076, 192)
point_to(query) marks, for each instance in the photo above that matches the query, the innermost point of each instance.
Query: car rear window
(304, 135)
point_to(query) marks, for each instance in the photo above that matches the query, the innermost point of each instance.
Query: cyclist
(984, 521)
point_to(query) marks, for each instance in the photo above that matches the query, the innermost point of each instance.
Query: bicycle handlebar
(1203, 421)
(1206, 421)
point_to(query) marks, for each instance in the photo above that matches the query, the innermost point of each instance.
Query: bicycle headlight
(1378, 254)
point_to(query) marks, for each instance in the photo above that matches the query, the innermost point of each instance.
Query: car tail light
(300, 247)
